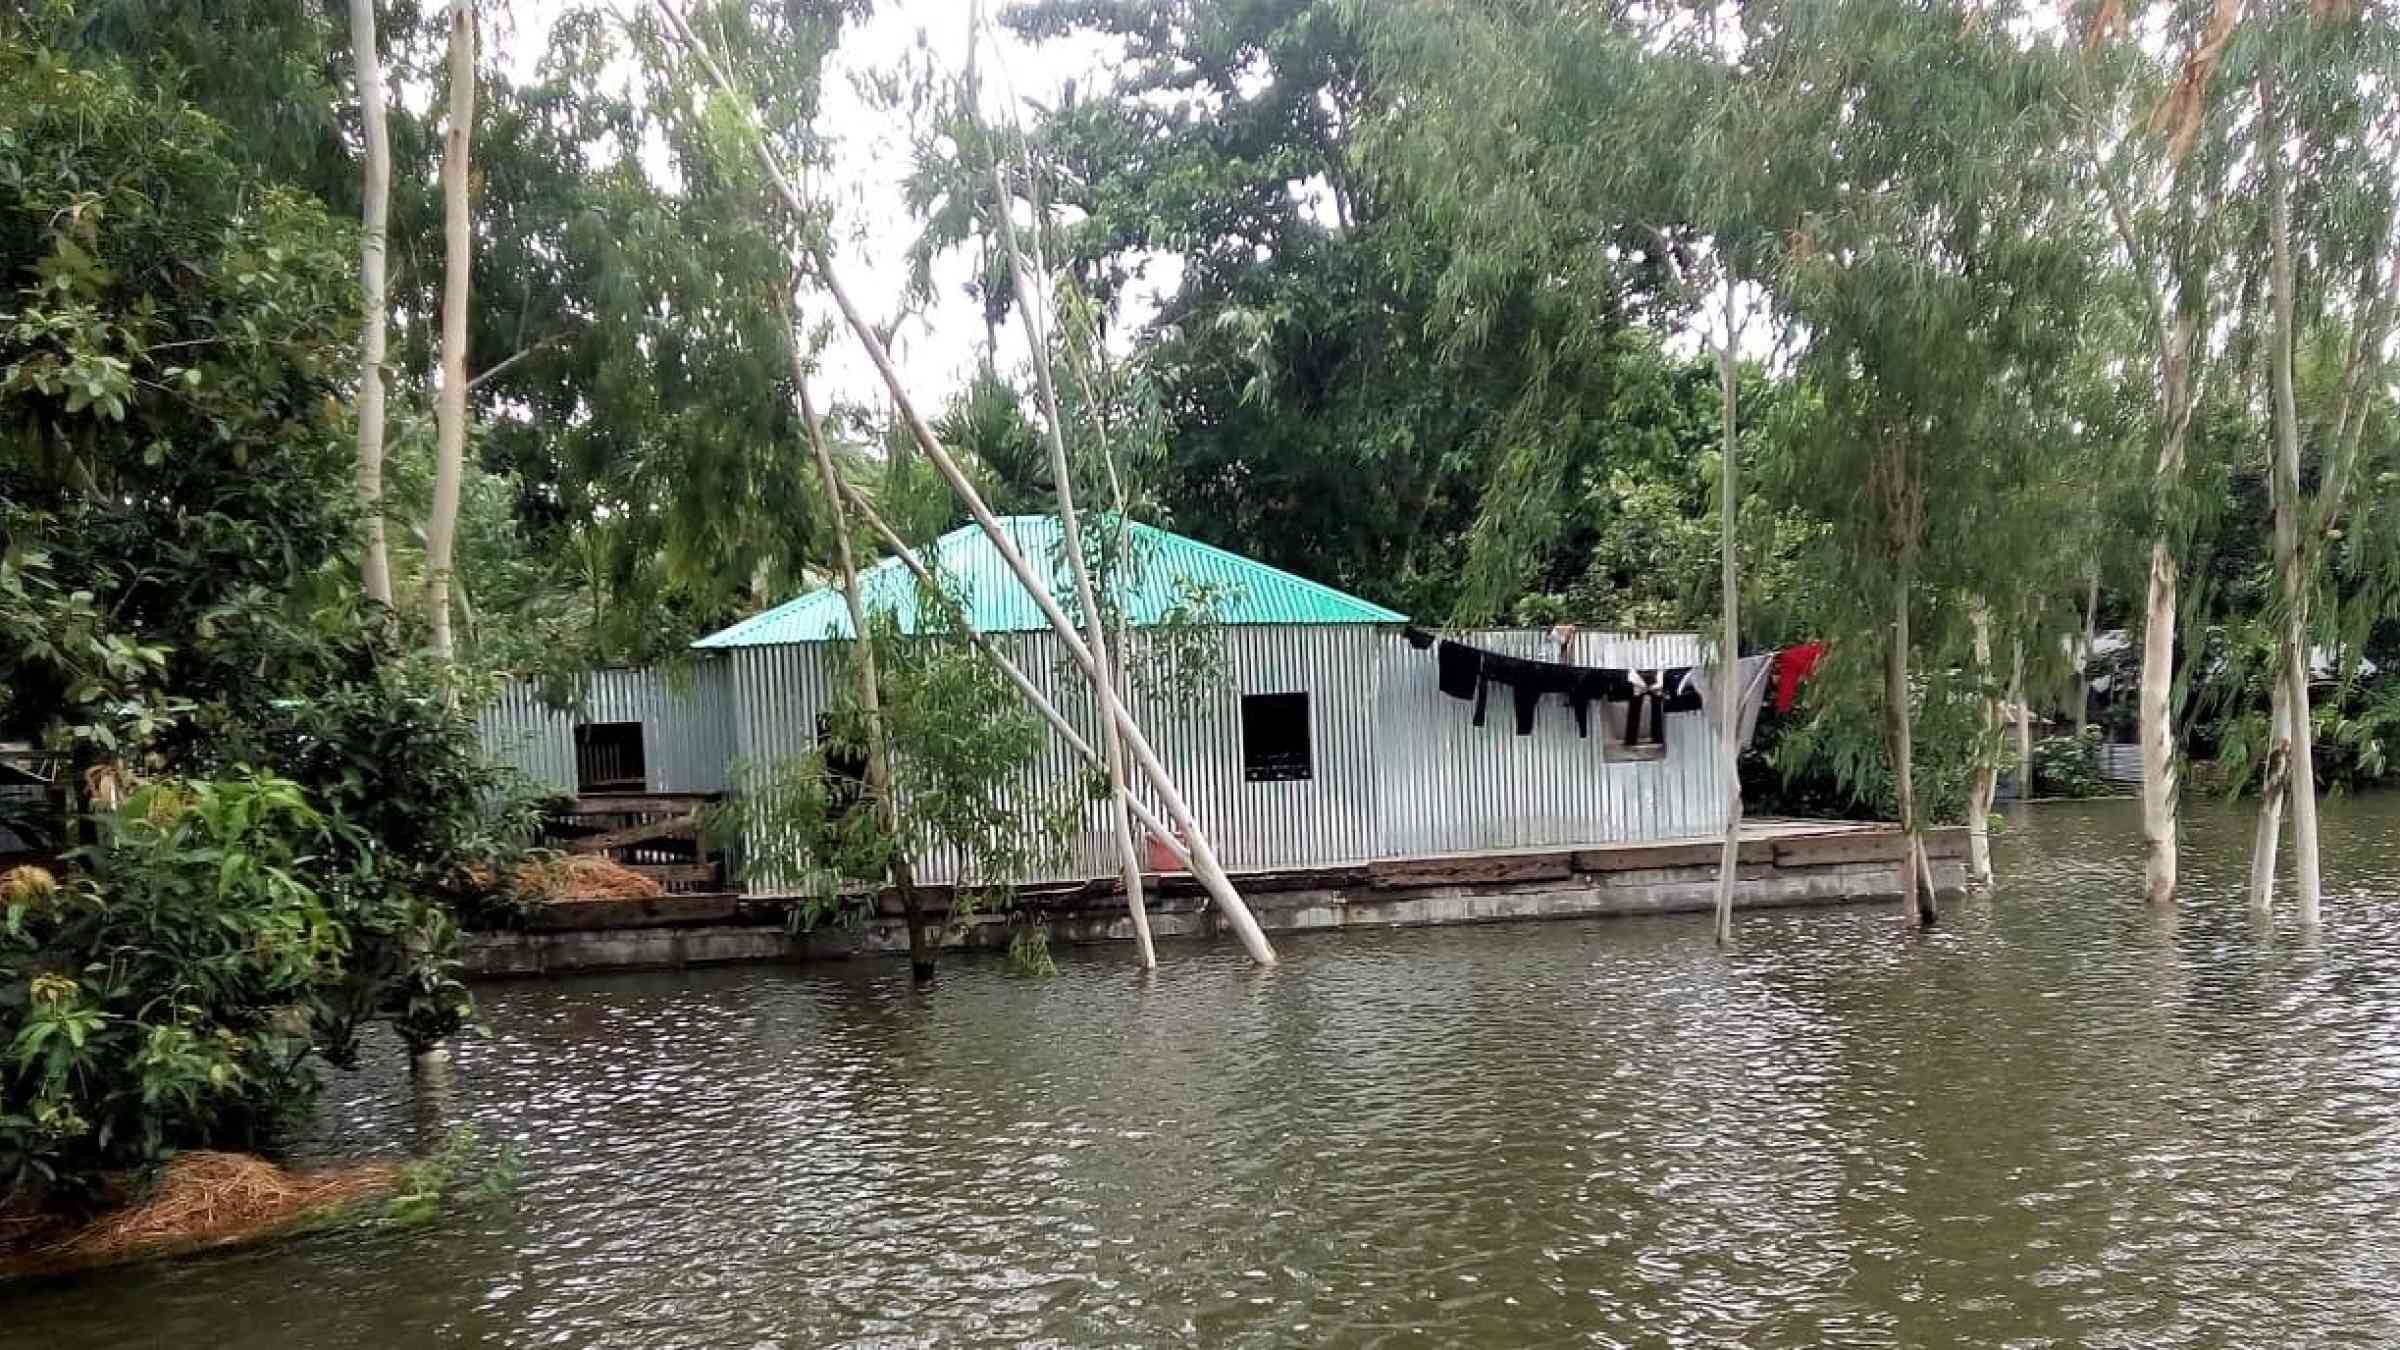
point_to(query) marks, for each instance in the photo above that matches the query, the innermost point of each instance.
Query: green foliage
(171, 992)
(2065, 766)
(963, 745)
(1029, 952)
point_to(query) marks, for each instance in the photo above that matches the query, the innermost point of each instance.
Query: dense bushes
(170, 992)
(180, 619)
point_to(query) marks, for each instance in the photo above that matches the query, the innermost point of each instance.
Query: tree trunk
(450, 434)
(922, 952)
(2158, 736)
(1095, 625)
(1984, 788)
(375, 564)
(1205, 867)
(1729, 654)
(2267, 837)
(2291, 564)
(1916, 904)
(2024, 720)
(2083, 662)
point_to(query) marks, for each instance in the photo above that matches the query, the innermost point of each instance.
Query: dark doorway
(608, 758)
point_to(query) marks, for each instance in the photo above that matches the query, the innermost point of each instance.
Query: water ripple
(2057, 1120)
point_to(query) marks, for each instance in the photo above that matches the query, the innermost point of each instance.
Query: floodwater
(2055, 1121)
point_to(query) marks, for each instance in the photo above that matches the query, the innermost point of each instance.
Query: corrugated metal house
(1326, 740)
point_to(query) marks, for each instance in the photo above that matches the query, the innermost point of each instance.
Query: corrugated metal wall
(1446, 785)
(686, 717)
(1399, 769)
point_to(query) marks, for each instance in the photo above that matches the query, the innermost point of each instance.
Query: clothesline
(1468, 672)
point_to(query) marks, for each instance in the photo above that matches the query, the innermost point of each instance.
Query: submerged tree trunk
(1984, 788)
(450, 434)
(1916, 903)
(1729, 663)
(922, 952)
(375, 563)
(2291, 564)
(2157, 733)
(2083, 660)
(2024, 719)
(2267, 836)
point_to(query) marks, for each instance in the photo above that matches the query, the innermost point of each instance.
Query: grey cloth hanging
(1754, 672)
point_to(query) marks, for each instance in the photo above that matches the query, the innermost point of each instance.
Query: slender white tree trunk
(450, 427)
(1729, 663)
(1095, 625)
(1917, 905)
(2024, 719)
(1205, 866)
(2291, 562)
(2157, 733)
(2267, 837)
(375, 566)
(1984, 788)
(2083, 661)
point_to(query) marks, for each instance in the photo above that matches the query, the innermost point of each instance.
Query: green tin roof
(1250, 592)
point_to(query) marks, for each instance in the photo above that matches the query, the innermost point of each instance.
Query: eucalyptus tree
(2327, 139)
(2164, 136)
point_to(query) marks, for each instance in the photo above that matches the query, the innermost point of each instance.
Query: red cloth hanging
(1792, 665)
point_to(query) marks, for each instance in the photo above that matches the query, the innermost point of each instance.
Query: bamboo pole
(1205, 866)
(870, 685)
(1129, 860)
(1729, 665)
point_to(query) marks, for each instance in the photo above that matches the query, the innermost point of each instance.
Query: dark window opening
(608, 757)
(1275, 745)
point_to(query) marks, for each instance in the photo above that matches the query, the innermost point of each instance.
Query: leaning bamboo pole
(1129, 859)
(1205, 866)
(1729, 665)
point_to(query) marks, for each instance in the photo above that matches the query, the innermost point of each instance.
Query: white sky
(938, 350)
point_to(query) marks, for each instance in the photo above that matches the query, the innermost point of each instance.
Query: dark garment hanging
(1462, 673)
(1508, 670)
(1594, 683)
(1417, 637)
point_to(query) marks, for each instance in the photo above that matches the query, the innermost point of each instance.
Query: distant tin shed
(1326, 741)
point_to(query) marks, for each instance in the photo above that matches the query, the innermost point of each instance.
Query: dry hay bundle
(584, 878)
(209, 1199)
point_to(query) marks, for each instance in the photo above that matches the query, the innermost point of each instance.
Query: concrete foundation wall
(1840, 868)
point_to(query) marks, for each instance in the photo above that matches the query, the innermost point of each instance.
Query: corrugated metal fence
(1398, 769)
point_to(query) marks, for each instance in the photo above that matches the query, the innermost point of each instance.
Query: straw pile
(206, 1199)
(584, 878)
(570, 878)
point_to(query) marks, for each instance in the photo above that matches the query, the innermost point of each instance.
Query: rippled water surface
(2057, 1120)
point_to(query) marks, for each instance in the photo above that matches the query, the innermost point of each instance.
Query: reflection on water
(2056, 1120)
